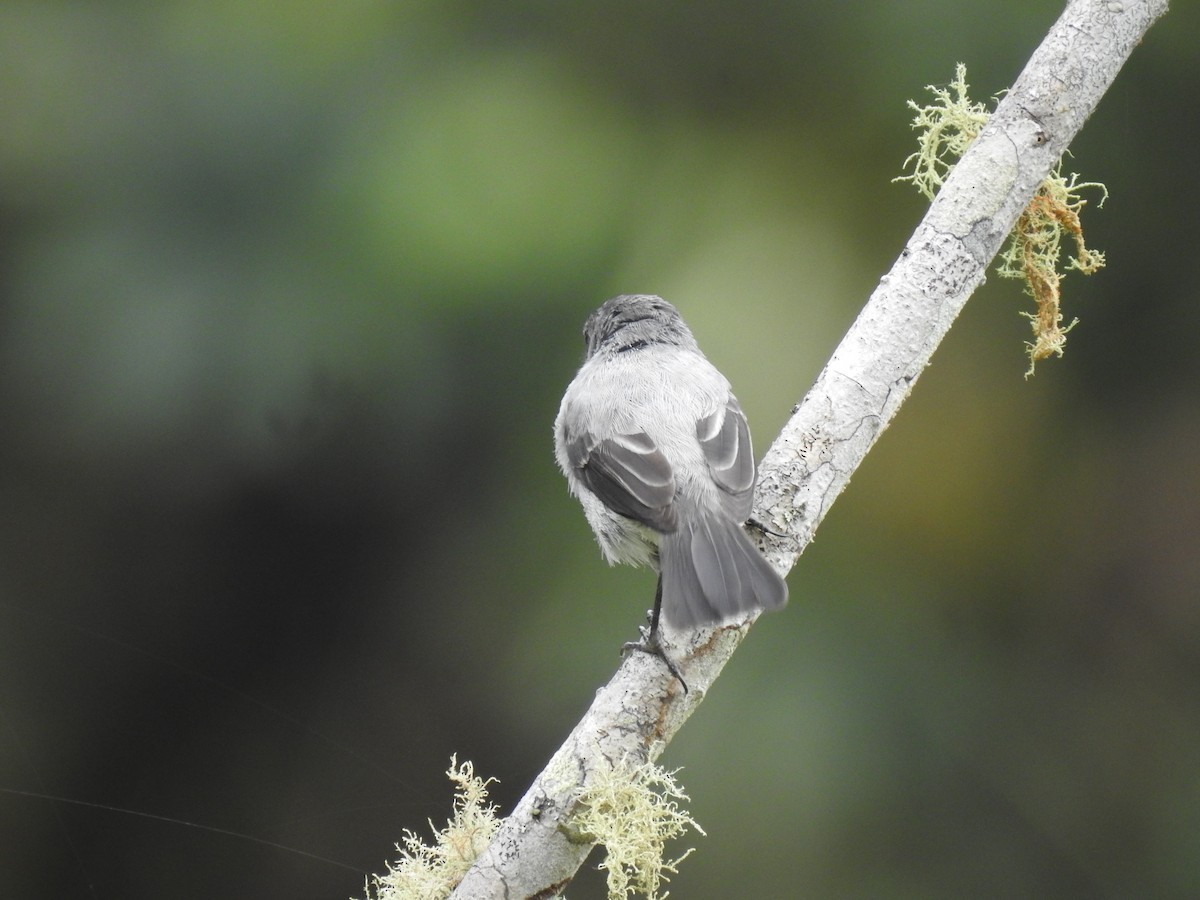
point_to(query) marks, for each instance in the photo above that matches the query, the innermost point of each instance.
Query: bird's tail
(711, 573)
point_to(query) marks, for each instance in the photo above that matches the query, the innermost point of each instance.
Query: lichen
(945, 129)
(1033, 252)
(432, 871)
(632, 810)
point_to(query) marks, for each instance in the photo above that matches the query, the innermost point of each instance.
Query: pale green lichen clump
(431, 872)
(633, 812)
(946, 128)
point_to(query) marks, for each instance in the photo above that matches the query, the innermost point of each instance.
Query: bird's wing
(725, 439)
(629, 474)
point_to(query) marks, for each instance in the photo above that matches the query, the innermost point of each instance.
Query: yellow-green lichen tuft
(432, 871)
(633, 811)
(946, 128)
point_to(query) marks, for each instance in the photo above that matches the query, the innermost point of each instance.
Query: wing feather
(630, 475)
(724, 437)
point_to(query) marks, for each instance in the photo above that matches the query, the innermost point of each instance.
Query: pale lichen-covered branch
(536, 851)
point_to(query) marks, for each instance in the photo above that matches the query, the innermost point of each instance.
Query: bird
(656, 448)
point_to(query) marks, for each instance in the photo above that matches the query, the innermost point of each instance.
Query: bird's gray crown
(635, 321)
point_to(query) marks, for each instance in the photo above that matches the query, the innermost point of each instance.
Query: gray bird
(656, 448)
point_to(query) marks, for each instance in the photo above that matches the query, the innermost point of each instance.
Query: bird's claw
(760, 527)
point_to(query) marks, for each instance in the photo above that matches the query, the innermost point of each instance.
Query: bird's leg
(650, 642)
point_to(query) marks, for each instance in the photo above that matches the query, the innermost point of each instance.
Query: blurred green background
(288, 296)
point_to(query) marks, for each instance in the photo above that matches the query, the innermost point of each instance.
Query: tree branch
(536, 852)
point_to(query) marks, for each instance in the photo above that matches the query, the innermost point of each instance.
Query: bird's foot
(649, 643)
(761, 528)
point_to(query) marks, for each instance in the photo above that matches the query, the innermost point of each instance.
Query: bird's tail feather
(712, 573)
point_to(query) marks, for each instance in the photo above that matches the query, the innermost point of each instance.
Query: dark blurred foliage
(288, 295)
